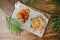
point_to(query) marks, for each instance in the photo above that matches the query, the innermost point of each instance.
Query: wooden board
(8, 7)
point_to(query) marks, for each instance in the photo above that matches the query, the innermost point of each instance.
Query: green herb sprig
(56, 2)
(13, 25)
(28, 1)
(55, 23)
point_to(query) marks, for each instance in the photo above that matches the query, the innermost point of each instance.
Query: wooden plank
(8, 7)
(40, 5)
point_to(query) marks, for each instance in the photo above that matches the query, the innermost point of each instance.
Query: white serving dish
(33, 13)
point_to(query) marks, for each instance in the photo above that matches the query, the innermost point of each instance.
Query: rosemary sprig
(13, 25)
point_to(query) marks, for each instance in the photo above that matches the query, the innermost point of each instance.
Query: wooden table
(8, 7)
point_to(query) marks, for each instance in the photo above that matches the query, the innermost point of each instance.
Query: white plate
(33, 13)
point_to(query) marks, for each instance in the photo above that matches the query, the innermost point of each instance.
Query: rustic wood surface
(8, 7)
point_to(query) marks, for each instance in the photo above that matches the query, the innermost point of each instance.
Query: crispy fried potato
(27, 10)
(23, 14)
(19, 16)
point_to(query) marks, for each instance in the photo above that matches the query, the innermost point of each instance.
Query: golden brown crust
(37, 23)
(23, 14)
